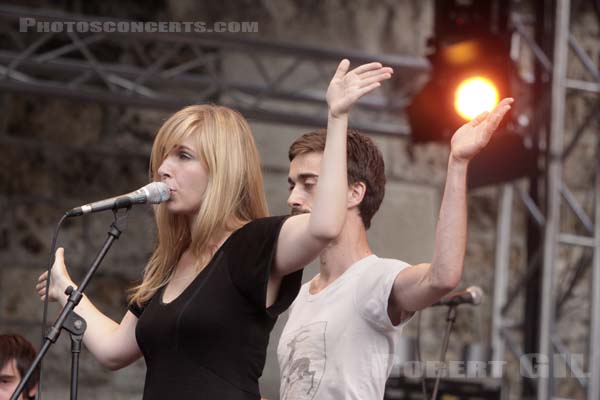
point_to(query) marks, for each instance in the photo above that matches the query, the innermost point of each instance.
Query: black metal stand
(76, 325)
(450, 319)
(68, 319)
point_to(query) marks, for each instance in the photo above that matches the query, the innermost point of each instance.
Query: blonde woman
(222, 270)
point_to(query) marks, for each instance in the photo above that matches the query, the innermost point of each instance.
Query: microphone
(154, 193)
(472, 295)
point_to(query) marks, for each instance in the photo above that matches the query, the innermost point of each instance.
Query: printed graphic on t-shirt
(304, 363)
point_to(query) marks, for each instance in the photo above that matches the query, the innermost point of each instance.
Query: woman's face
(187, 177)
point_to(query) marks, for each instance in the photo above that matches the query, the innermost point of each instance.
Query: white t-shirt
(340, 342)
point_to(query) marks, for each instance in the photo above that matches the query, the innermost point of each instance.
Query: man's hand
(347, 87)
(473, 136)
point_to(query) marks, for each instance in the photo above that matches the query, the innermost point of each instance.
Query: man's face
(9, 380)
(303, 177)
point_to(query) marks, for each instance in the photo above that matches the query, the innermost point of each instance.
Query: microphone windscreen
(158, 192)
(477, 294)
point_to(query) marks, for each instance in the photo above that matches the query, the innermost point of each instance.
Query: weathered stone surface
(19, 298)
(404, 226)
(276, 189)
(35, 118)
(423, 163)
(273, 141)
(24, 178)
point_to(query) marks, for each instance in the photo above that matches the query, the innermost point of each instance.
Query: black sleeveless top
(211, 341)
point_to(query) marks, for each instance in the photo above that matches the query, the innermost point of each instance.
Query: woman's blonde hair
(234, 194)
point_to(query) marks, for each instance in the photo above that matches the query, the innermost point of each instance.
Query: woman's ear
(356, 194)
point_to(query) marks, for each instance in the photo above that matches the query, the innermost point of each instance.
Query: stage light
(474, 96)
(471, 70)
(466, 79)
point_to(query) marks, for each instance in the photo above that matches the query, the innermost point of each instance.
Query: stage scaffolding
(549, 216)
(169, 71)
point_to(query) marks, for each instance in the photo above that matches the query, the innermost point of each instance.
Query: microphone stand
(68, 319)
(450, 318)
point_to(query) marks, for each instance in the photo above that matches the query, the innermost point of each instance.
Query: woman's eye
(185, 156)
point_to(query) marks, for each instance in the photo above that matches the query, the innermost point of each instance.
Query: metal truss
(558, 196)
(269, 81)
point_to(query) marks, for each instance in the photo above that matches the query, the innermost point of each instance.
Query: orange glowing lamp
(474, 96)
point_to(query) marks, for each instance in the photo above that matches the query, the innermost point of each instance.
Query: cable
(38, 395)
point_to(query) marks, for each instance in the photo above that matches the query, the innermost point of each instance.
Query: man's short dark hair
(16, 347)
(365, 164)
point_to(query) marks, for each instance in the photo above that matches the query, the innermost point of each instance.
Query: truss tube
(223, 40)
(587, 62)
(533, 209)
(545, 386)
(576, 240)
(501, 270)
(570, 363)
(188, 80)
(537, 50)
(594, 386)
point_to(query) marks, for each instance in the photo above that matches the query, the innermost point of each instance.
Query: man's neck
(351, 246)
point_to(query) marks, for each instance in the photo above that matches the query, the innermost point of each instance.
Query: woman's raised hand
(347, 87)
(59, 281)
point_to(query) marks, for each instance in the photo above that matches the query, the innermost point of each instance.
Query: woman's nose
(164, 170)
